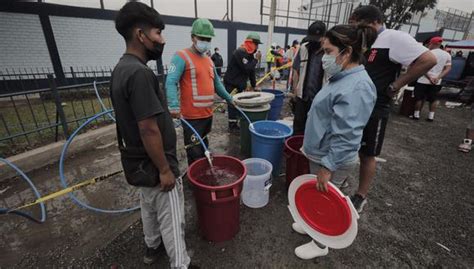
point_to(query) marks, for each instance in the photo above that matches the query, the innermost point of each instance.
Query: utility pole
(468, 28)
(271, 23)
(231, 10)
(152, 4)
(195, 9)
(288, 14)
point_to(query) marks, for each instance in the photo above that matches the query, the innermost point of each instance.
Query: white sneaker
(466, 146)
(297, 228)
(310, 251)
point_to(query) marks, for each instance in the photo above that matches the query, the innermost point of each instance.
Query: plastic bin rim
(290, 132)
(275, 92)
(290, 148)
(217, 188)
(267, 163)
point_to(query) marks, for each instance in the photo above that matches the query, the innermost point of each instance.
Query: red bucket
(296, 163)
(218, 207)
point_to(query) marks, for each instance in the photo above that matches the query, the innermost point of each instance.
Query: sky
(244, 10)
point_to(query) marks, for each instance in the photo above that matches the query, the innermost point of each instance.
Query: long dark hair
(359, 37)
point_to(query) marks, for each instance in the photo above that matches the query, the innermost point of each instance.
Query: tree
(399, 12)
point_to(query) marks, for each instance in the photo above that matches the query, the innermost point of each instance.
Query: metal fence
(29, 119)
(49, 112)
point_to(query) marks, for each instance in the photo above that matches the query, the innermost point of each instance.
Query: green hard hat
(203, 28)
(255, 37)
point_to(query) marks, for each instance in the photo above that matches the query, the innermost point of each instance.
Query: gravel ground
(420, 213)
(421, 201)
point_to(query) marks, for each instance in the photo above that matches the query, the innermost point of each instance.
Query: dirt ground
(420, 214)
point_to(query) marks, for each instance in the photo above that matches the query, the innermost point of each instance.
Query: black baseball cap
(315, 31)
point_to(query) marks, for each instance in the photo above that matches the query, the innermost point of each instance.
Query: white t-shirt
(402, 47)
(442, 59)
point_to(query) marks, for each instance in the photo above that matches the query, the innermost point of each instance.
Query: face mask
(329, 64)
(202, 46)
(156, 52)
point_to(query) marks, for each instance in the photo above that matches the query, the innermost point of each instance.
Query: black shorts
(426, 92)
(373, 136)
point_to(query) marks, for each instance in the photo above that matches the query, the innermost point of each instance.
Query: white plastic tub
(256, 189)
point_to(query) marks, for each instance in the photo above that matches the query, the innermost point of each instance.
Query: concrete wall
(87, 42)
(22, 42)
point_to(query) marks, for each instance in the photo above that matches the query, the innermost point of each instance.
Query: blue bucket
(276, 104)
(268, 139)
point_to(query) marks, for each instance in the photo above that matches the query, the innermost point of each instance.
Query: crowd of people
(343, 80)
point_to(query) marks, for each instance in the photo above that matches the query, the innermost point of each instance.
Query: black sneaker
(429, 120)
(151, 254)
(413, 117)
(359, 202)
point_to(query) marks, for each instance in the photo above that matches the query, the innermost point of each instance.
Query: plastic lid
(257, 108)
(329, 218)
(253, 99)
(326, 212)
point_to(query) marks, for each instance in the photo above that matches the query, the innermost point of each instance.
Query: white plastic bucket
(256, 189)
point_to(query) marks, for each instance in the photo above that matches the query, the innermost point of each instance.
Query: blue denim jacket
(337, 117)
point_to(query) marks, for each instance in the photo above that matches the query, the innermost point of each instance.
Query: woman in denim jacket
(338, 114)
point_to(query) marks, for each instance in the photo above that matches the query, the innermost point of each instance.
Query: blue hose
(63, 179)
(104, 108)
(196, 133)
(245, 116)
(35, 190)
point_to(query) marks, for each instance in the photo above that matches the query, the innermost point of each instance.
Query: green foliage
(398, 12)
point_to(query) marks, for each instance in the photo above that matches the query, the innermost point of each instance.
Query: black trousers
(301, 115)
(194, 149)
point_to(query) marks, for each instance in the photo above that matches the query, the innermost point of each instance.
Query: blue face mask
(329, 64)
(202, 46)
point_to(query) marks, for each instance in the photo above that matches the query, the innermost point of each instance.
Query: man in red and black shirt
(392, 50)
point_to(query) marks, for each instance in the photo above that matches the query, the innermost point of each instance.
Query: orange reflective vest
(196, 86)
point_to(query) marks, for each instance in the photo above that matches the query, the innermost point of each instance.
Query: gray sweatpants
(163, 220)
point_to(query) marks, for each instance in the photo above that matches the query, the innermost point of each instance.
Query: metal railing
(34, 117)
(29, 119)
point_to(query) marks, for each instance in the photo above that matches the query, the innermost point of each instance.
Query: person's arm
(405, 50)
(446, 70)
(252, 79)
(151, 137)
(175, 71)
(220, 89)
(146, 106)
(421, 66)
(351, 113)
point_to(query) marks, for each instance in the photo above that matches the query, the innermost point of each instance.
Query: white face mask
(202, 46)
(329, 64)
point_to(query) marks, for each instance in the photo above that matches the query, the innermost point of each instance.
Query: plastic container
(407, 108)
(276, 104)
(268, 138)
(254, 114)
(256, 190)
(218, 206)
(296, 163)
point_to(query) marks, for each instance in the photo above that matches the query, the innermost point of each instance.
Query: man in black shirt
(392, 50)
(218, 61)
(144, 122)
(241, 69)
